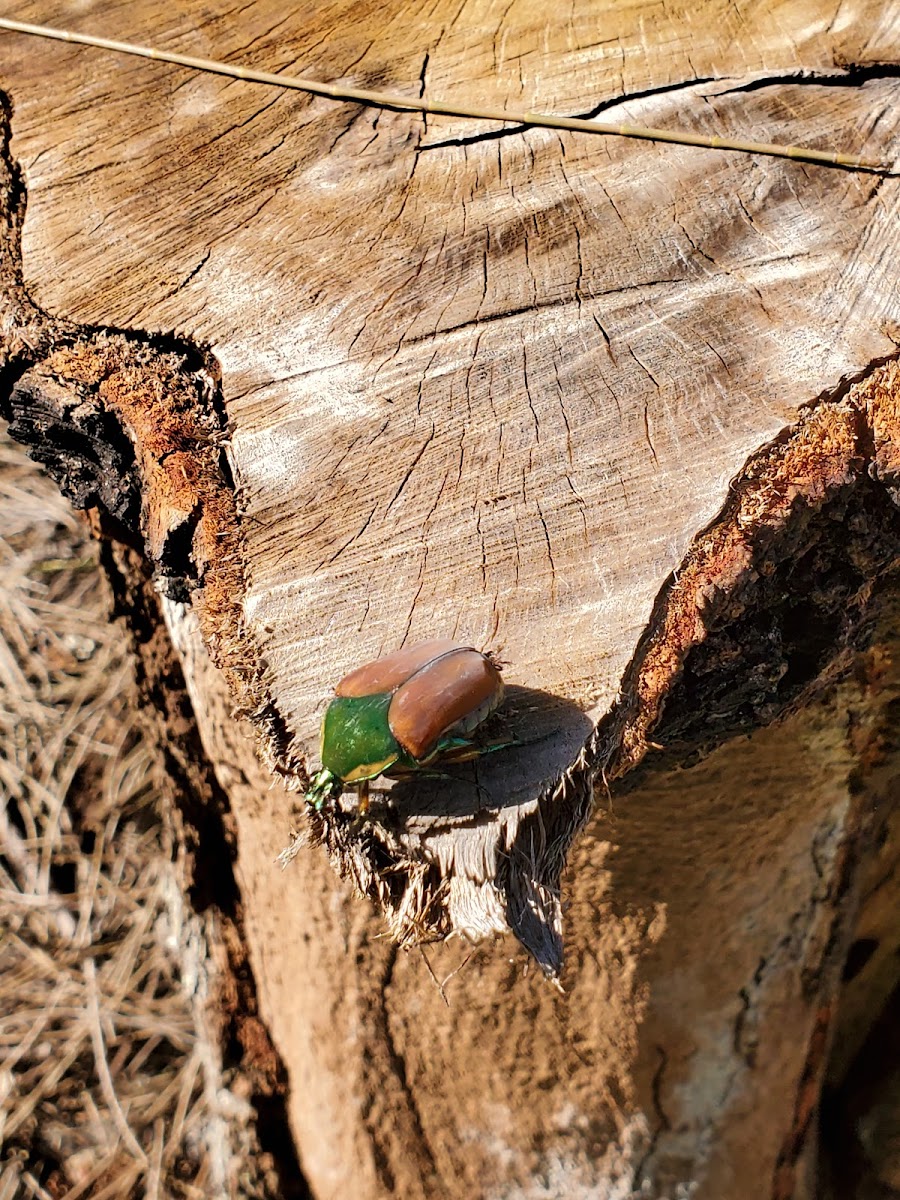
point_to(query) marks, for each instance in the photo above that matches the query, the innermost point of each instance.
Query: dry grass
(108, 1087)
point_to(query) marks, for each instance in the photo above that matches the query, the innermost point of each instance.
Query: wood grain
(375, 372)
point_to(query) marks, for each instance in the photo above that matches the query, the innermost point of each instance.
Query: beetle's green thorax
(357, 742)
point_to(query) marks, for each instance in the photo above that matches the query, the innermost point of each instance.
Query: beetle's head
(323, 786)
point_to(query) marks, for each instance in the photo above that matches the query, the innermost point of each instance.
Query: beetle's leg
(458, 750)
(362, 803)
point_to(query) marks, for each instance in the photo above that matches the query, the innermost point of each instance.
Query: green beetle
(403, 713)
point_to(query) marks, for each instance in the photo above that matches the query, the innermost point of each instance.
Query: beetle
(404, 713)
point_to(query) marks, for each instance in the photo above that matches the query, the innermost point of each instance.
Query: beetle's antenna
(392, 100)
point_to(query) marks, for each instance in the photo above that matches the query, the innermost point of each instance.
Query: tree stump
(626, 415)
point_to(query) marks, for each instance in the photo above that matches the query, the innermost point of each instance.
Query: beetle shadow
(545, 732)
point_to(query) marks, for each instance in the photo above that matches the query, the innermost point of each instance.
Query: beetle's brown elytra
(436, 687)
(387, 673)
(404, 712)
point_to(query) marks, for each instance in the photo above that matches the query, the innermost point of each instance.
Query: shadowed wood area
(623, 414)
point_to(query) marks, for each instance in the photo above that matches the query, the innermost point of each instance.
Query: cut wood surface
(532, 391)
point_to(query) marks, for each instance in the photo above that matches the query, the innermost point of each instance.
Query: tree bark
(626, 414)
